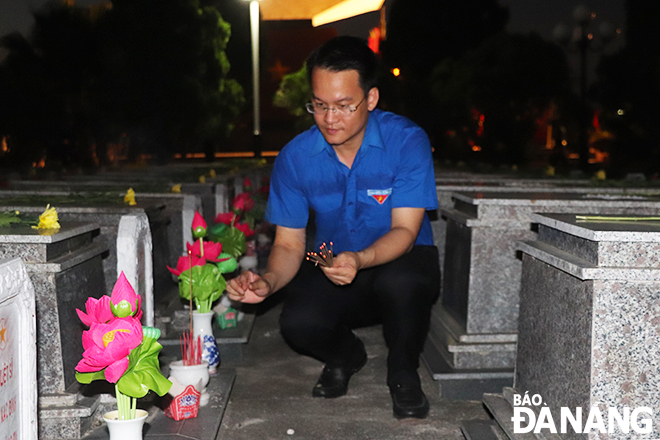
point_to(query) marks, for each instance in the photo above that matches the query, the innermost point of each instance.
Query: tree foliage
(153, 69)
(510, 81)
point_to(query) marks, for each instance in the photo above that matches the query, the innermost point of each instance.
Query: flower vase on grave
(196, 375)
(126, 429)
(202, 326)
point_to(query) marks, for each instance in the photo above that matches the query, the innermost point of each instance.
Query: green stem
(125, 405)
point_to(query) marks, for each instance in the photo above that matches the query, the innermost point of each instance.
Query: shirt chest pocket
(375, 205)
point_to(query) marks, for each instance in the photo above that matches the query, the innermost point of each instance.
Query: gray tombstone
(18, 353)
(134, 258)
(589, 329)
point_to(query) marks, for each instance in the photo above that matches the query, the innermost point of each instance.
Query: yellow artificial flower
(176, 188)
(48, 220)
(202, 179)
(600, 175)
(550, 171)
(212, 174)
(130, 197)
(262, 162)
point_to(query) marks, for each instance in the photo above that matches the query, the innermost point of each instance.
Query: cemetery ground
(504, 241)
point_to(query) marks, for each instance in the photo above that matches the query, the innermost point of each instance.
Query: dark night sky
(525, 15)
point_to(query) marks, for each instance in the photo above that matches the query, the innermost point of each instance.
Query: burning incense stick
(325, 257)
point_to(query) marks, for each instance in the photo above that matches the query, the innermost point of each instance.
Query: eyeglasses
(317, 108)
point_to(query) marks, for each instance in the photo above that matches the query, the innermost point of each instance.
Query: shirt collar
(372, 137)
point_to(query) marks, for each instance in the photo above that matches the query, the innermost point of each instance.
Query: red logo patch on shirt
(380, 195)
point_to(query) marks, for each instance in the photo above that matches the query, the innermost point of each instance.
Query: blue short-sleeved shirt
(393, 169)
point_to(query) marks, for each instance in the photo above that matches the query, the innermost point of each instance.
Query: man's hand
(249, 288)
(344, 268)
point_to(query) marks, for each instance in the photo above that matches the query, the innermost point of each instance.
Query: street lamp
(254, 32)
(583, 39)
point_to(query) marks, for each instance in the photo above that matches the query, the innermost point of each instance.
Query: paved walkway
(271, 397)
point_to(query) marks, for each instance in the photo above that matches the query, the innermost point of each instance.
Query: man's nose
(331, 116)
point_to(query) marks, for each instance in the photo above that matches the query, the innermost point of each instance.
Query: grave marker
(18, 353)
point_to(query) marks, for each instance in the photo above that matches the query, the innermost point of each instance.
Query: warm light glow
(346, 9)
(620, 112)
(4, 148)
(396, 71)
(476, 148)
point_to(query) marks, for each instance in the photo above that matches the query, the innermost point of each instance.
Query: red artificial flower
(245, 229)
(247, 184)
(198, 226)
(211, 249)
(186, 263)
(226, 218)
(243, 202)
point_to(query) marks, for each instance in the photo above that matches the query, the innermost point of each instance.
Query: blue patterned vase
(202, 326)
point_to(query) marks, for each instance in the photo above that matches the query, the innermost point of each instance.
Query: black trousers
(318, 316)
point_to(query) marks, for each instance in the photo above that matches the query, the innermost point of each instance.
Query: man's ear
(372, 98)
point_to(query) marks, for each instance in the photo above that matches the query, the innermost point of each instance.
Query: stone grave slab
(18, 352)
(65, 268)
(589, 327)
(134, 258)
(474, 325)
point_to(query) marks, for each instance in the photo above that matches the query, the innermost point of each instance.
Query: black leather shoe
(409, 402)
(334, 380)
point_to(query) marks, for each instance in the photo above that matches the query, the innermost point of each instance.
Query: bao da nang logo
(576, 420)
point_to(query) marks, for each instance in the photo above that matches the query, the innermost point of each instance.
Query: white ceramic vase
(202, 326)
(192, 375)
(130, 429)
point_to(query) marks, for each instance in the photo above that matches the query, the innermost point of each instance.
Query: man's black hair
(346, 53)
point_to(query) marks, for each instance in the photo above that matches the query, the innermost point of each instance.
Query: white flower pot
(202, 326)
(192, 375)
(130, 429)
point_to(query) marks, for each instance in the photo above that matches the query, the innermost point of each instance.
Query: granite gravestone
(18, 353)
(589, 327)
(134, 258)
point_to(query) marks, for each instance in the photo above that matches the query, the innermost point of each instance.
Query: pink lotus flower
(247, 184)
(211, 250)
(124, 301)
(186, 263)
(243, 202)
(226, 218)
(198, 226)
(98, 311)
(245, 229)
(108, 345)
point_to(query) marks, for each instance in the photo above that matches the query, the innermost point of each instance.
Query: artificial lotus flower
(186, 262)
(208, 250)
(212, 173)
(227, 218)
(107, 346)
(198, 226)
(130, 197)
(98, 311)
(242, 202)
(247, 184)
(124, 301)
(202, 179)
(48, 219)
(245, 229)
(176, 189)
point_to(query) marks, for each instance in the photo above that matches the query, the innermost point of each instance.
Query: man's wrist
(270, 281)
